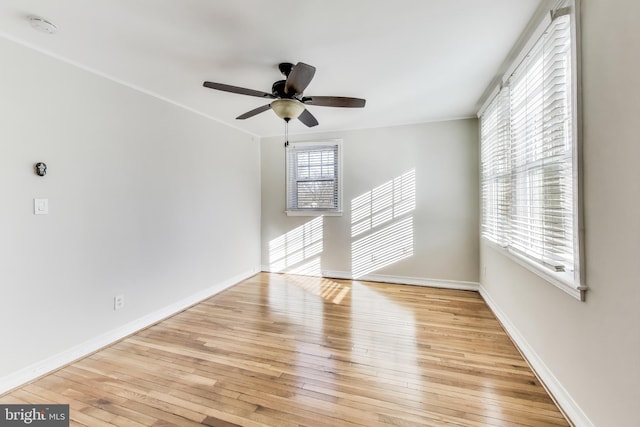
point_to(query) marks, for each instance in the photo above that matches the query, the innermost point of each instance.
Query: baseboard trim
(401, 280)
(406, 280)
(57, 361)
(562, 397)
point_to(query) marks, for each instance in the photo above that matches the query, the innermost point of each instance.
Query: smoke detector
(42, 25)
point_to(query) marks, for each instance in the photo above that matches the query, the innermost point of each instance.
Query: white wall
(445, 220)
(144, 200)
(592, 348)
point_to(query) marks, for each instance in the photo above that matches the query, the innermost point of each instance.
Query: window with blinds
(313, 178)
(496, 169)
(528, 160)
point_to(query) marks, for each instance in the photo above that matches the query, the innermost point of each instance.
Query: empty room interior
(430, 218)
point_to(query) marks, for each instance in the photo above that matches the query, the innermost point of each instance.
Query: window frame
(572, 283)
(290, 210)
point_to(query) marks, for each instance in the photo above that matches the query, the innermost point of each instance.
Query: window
(529, 167)
(313, 178)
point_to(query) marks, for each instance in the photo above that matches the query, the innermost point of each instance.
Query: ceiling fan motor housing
(278, 89)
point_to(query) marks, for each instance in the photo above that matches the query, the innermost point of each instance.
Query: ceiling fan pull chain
(286, 133)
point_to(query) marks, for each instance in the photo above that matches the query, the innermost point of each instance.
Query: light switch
(41, 206)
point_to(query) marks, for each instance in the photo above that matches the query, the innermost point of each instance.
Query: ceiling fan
(289, 102)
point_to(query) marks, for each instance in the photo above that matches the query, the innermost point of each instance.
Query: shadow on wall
(381, 226)
(299, 250)
(382, 221)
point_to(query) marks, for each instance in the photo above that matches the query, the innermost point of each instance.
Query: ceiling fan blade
(236, 89)
(254, 112)
(334, 101)
(299, 78)
(307, 118)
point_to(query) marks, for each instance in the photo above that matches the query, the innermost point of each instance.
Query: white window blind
(496, 169)
(313, 177)
(541, 151)
(528, 166)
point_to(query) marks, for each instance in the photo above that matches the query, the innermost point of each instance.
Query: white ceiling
(413, 60)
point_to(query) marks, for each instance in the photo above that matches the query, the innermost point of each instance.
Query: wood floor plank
(291, 351)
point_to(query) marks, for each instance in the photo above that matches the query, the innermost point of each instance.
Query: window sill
(563, 281)
(313, 213)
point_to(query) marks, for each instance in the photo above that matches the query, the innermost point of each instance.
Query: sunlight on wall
(310, 268)
(298, 251)
(382, 248)
(390, 203)
(390, 200)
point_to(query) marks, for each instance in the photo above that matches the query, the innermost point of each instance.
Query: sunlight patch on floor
(327, 289)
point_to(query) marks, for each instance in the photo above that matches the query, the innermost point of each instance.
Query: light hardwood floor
(283, 350)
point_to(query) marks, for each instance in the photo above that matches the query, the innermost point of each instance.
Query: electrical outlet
(118, 302)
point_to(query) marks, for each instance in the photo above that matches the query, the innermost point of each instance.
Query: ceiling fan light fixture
(287, 109)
